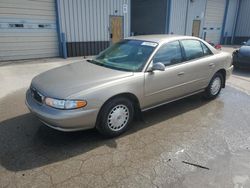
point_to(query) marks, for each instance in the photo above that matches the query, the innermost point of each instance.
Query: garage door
(27, 29)
(214, 20)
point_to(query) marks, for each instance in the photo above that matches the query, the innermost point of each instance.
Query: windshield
(127, 55)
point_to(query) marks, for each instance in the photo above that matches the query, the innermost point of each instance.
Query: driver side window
(169, 54)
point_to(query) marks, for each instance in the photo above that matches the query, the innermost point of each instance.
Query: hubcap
(216, 85)
(118, 117)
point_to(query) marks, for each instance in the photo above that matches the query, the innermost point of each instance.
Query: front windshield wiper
(96, 62)
(92, 61)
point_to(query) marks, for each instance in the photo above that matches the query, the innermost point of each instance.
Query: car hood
(67, 80)
(245, 51)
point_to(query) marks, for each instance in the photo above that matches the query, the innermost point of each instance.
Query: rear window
(169, 54)
(192, 48)
(206, 50)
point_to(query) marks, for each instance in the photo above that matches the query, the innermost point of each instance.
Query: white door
(28, 29)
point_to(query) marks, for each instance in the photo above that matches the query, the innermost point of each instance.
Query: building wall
(231, 17)
(148, 17)
(196, 11)
(86, 24)
(183, 12)
(27, 29)
(243, 24)
(214, 16)
(178, 15)
(230, 22)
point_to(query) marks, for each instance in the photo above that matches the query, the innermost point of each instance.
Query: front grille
(36, 95)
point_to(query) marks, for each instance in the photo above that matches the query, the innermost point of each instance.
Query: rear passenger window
(169, 54)
(192, 49)
(206, 50)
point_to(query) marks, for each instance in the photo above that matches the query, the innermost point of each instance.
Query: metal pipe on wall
(235, 21)
(224, 22)
(186, 17)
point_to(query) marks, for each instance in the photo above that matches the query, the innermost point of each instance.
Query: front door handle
(211, 65)
(180, 73)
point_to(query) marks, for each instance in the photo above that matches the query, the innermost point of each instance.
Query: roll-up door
(214, 20)
(28, 29)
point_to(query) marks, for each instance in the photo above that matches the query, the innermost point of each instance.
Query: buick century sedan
(131, 76)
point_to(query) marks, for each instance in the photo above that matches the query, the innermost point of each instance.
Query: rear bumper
(229, 71)
(63, 120)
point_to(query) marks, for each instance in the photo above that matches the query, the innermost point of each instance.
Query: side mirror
(244, 43)
(158, 66)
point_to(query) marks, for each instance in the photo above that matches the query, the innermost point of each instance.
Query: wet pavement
(213, 136)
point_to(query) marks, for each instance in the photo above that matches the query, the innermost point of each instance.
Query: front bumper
(241, 61)
(229, 71)
(63, 120)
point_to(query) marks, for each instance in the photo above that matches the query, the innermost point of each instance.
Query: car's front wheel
(214, 87)
(115, 117)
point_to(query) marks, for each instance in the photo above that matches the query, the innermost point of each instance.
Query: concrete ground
(214, 137)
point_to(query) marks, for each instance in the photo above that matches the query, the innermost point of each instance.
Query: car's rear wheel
(214, 87)
(115, 117)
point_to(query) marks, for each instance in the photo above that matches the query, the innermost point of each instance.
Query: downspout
(204, 33)
(185, 32)
(236, 21)
(224, 22)
(61, 36)
(169, 4)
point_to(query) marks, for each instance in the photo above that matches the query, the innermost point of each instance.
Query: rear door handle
(180, 73)
(211, 65)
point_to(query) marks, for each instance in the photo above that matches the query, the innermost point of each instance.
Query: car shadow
(25, 143)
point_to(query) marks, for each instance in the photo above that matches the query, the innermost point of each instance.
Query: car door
(188, 67)
(165, 85)
(198, 65)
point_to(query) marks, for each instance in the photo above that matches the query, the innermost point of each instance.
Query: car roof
(160, 38)
(163, 38)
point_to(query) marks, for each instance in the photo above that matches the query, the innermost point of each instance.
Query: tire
(115, 117)
(214, 87)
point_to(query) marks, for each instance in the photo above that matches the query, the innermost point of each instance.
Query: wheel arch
(223, 73)
(132, 97)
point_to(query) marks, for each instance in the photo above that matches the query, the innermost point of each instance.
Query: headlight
(65, 104)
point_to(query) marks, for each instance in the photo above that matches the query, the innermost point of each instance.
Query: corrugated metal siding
(178, 16)
(86, 23)
(231, 15)
(214, 19)
(243, 23)
(196, 11)
(35, 36)
(183, 12)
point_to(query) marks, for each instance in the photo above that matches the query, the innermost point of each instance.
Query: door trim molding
(176, 99)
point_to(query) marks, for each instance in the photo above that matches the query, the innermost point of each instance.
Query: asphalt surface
(188, 143)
